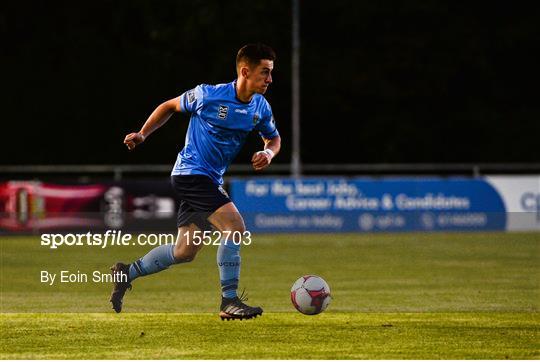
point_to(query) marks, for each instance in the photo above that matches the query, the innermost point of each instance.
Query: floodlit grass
(477, 335)
(419, 296)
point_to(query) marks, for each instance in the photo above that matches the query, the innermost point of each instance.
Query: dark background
(405, 81)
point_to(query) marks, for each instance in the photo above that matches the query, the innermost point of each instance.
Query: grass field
(420, 296)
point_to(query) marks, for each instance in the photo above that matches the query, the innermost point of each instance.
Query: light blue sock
(228, 259)
(157, 259)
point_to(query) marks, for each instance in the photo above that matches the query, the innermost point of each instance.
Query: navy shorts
(199, 197)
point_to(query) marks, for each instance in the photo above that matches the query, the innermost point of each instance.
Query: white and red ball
(310, 294)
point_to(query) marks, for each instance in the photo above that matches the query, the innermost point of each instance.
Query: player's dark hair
(254, 53)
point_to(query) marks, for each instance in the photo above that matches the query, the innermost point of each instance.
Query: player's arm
(262, 159)
(158, 118)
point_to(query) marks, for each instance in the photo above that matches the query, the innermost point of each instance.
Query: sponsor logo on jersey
(243, 111)
(222, 111)
(191, 96)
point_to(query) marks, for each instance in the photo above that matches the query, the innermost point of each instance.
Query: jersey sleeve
(267, 126)
(192, 100)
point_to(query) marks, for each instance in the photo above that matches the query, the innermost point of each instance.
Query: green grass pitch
(395, 296)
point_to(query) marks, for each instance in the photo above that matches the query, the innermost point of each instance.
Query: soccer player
(221, 118)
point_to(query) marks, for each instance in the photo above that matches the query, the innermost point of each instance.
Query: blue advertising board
(370, 205)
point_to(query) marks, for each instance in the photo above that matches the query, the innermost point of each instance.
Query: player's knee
(184, 256)
(235, 224)
(227, 219)
(239, 228)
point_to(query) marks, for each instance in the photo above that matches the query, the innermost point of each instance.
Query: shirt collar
(236, 95)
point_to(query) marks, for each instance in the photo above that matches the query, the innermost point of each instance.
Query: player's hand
(261, 159)
(133, 139)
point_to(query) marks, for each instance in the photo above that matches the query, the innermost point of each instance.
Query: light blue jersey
(218, 128)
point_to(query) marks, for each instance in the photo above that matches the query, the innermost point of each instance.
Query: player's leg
(229, 222)
(186, 248)
(163, 256)
(156, 260)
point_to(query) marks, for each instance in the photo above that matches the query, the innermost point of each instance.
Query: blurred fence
(330, 198)
(118, 172)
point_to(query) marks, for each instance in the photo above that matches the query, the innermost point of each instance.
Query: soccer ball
(310, 294)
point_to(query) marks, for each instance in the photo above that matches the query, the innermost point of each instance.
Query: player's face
(260, 77)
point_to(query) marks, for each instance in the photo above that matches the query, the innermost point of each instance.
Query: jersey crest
(222, 111)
